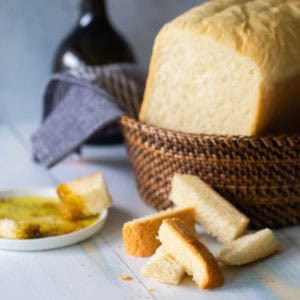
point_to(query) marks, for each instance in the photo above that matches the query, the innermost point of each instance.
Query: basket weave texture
(259, 175)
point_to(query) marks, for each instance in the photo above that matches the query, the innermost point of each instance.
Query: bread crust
(140, 236)
(211, 274)
(149, 82)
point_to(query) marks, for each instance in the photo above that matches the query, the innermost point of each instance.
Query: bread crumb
(151, 289)
(125, 277)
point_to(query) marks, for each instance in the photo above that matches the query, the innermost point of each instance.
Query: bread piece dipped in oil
(11, 229)
(84, 197)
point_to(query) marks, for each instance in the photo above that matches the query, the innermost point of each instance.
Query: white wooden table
(91, 270)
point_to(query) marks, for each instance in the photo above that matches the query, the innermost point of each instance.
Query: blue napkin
(82, 102)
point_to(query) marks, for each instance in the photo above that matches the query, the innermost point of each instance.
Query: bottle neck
(95, 8)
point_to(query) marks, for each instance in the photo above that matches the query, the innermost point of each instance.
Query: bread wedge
(11, 229)
(163, 267)
(84, 197)
(140, 235)
(220, 218)
(249, 248)
(184, 245)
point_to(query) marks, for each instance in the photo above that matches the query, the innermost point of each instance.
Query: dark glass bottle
(93, 41)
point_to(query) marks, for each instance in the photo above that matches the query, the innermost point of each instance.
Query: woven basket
(259, 175)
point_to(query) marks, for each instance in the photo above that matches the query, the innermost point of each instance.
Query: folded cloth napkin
(81, 102)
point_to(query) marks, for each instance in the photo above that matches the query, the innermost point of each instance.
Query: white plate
(47, 243)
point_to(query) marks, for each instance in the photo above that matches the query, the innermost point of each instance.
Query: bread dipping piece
(217, 215)
(163, 267)
(249, 248)
(140, 235)
(84, 197)
(184, 245)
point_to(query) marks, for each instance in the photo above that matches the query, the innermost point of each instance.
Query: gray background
(31, 30)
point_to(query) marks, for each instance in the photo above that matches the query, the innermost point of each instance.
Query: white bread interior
(183, 244)
(84, 197)
(227, 67)
(220, 218)
(249, 248)
(163, 267)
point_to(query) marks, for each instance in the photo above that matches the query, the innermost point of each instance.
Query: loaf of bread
(140, 235)
(184, 245)
(227, 67)
(163, 267)
(249, 248)
(11, 229)
(218, 216)
(84, 197)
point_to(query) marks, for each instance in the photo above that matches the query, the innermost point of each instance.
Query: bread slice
(140, 235)
(225, 67)
(184, 245)
(84, 197)
(249, 248)
(11, 229)
(163, 267)
(218, 216)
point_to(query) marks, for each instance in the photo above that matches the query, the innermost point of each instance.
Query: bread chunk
(84, 197)
(227, 68)
(163, 267)
(11, 229)
(249, 248)
(140, 235)
(184, 245)
(220, 218)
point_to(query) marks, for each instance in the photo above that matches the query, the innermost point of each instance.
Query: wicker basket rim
(162, 131)
(200, 158)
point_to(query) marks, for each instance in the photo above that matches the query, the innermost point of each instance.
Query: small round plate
(47, 243)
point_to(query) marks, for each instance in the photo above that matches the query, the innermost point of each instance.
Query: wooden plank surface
(84, 271)
(93, 267)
